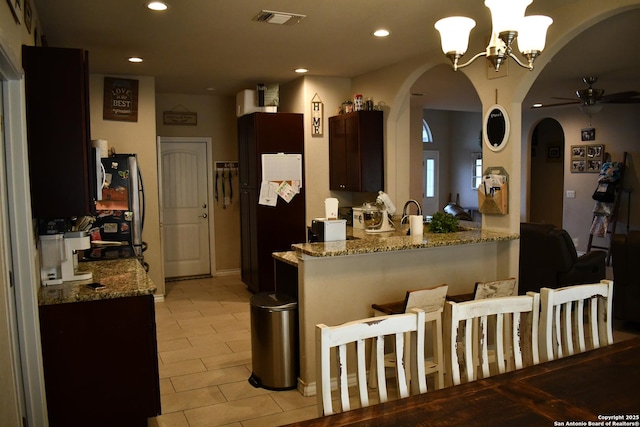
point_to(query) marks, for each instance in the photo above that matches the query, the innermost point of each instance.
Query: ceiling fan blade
(624, 101)
(558, 104)
(568, 99)
(620, 96)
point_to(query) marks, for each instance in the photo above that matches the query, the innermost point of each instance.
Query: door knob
(204, 215)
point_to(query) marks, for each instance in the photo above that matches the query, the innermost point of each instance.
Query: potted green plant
(442, 222)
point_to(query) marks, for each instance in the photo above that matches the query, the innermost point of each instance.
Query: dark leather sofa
(548, 258)
(625, 255)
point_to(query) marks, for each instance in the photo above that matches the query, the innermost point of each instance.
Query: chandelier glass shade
(509, 24)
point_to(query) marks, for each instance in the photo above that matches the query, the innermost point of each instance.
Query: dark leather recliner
(548, 258)
(625, 256)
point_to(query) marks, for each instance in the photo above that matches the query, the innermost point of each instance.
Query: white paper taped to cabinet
(283, 167)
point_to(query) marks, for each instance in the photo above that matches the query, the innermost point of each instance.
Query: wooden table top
(581, 388)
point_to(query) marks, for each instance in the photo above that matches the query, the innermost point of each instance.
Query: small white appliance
(59, 257)
(329, 230)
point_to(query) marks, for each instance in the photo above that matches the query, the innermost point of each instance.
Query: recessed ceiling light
(537, 105)
(211, 89)
(301, 70)
(135, 59)
(157, 5)
(381, 33)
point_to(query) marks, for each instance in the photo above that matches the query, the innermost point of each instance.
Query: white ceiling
(200, 44)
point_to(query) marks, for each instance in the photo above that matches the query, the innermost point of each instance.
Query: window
(477, 170)
(426, 132)
(429, 178)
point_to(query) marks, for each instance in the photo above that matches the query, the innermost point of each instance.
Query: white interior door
(430, 193)
(185, 209)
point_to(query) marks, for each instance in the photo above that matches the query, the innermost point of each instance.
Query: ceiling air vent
(280, 18)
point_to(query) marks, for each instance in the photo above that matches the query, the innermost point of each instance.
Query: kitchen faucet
(404, 209)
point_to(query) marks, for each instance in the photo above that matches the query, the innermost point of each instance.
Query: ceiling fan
(592, 96)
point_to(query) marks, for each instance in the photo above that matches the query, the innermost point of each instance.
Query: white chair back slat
(564, 312)
(358, 332)
(362, 372)
(343, 382)
(379, 366)
(510, 308)
(593, 326)
(516, 340)
(499, 345)
(483, 348)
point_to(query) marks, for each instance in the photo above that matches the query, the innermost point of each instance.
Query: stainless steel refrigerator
(117, 230)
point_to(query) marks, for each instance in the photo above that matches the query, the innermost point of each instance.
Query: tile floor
(204, 346)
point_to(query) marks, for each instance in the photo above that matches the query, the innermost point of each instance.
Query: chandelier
(509, 24)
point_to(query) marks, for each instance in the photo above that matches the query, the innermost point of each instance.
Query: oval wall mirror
(496, 127)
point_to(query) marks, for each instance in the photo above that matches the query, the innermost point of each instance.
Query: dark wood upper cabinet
(356, 151)
(61, 166)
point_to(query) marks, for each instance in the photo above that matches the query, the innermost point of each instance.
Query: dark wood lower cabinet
(101, 362)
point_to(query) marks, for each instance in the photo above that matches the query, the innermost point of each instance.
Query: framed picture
(578, 166)
(28, 16)
(587, 158)
(588, 134)
(594, 166)
(16, 9)
(595, 152)
(554, 152)
(578, 158)
(578, 152)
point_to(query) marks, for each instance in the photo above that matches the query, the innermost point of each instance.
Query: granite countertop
(121, 278)
(289, 257)
(362, 242)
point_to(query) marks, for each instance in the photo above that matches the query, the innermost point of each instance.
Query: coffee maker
(59, 257)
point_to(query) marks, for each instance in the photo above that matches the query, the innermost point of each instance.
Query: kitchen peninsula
(99, 347)
(338, 281)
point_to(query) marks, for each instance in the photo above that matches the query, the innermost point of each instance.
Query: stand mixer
(378, 219)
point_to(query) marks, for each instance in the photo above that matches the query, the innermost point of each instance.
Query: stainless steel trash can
(274, 341)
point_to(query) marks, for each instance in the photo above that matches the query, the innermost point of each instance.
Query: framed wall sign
(316, 116)
(179, 118)
(496, 127)
(120, 99)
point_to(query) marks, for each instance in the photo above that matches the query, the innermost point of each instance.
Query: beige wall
(138, 138)
(216, 120)
(617, 128)
(331, 91)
